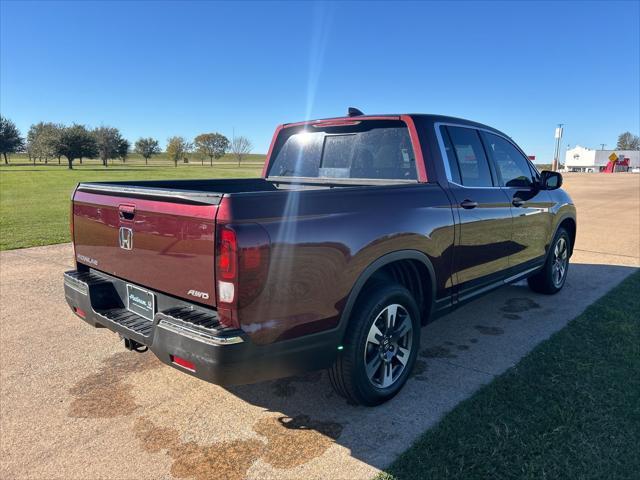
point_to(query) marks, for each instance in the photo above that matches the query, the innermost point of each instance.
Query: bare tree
(628, 141)
(241, 147)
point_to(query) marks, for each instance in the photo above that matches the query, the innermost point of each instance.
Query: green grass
(570, 409)
(34, 201)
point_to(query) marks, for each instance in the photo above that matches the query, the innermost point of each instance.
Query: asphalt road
(75, 404)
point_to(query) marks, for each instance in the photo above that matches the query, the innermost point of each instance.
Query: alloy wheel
(560, 261)
(388, 346)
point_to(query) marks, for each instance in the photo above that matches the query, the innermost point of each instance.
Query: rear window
(368, 150)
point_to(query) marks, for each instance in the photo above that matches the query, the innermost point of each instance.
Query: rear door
(483, 244)
(160, 244)
(530, 206)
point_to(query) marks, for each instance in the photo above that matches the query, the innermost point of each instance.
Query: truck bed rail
(150, 193)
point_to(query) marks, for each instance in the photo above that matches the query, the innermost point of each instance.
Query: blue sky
(183, 68)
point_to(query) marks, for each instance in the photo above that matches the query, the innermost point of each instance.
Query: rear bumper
(185, 331)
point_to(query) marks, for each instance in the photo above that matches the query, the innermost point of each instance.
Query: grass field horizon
(159, 160)
(34, 200)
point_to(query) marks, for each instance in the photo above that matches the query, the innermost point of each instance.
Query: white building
(582, 159)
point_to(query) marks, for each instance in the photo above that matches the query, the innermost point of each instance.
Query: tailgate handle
(127, 212)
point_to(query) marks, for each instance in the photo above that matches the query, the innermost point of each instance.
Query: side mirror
(550, 180)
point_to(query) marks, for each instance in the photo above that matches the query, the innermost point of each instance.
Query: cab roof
(425, 117)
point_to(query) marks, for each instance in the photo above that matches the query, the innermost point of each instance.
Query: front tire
(380, 346)
(551, 278)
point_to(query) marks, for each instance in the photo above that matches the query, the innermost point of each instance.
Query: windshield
(368, 150)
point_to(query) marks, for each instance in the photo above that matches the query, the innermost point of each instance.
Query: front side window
(513, 168)
(374, 149)
(471, 159)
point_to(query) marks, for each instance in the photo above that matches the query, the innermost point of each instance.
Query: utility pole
(556, 153)
(602, 145)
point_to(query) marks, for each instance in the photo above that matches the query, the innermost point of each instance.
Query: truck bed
(170, 226)
(211, 191)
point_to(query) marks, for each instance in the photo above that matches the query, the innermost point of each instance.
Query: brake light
(227, 274)
(227, 254)
(242, 263)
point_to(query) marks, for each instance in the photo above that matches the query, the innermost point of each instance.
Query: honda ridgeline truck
(361, 229)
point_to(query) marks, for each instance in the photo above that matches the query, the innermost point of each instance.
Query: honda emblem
(126, 238)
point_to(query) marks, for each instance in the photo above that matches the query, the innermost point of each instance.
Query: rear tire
(551, 278)
(380, 346)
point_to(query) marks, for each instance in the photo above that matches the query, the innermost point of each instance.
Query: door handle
(468, 204)
(127, 212)
(517, 202)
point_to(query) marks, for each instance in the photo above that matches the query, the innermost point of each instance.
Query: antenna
(354, 112)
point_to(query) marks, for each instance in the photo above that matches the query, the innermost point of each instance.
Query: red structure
(617, 166)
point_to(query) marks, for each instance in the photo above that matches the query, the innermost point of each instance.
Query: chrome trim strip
(465, 295)
(521, 274)
(197, 335)
(475, 188)
(165, 323)
(340, 181)
(443, 150)
(76, 285)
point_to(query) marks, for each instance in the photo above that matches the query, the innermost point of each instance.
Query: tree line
(46, 141)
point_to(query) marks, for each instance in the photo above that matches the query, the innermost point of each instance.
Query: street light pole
(556, 153)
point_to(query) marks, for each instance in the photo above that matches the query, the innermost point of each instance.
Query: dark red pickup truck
(361, 229)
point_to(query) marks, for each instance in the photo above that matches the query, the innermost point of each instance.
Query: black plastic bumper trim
(221, 355)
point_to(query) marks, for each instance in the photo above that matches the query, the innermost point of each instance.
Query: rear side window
(513, 168)
(470, 156)
(367, 150)
(451, 156)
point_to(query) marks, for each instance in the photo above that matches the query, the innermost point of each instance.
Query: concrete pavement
(75, 404)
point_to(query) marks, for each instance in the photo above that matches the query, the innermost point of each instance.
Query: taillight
(227, 253)
(227, 264)
(242, 263)
(73, 239)
(71, 219)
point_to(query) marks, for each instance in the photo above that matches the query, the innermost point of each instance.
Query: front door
(483, 240)
(530, 206)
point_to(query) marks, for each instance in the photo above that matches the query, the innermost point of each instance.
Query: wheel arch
(408, 267)
(569, 224)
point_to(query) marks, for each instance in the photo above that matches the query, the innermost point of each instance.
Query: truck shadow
(459, 353)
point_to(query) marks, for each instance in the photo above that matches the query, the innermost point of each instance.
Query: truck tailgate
(161, 243)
